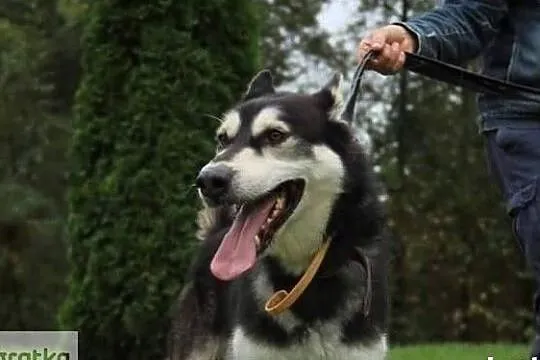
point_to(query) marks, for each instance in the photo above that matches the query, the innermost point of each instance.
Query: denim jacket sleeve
(457, 31)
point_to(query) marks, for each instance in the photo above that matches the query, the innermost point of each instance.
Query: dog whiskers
(214, 117)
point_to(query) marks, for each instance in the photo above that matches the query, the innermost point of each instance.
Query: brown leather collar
(283, 300)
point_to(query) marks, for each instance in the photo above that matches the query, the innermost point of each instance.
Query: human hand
(390, 43)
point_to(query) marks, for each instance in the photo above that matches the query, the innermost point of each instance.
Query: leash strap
(441, 71)
(458, 76)
(348, 109)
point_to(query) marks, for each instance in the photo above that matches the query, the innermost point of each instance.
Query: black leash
(348, 108)
(444, 72)
(458, 76)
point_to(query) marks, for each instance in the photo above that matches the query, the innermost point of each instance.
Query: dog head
(275, 166)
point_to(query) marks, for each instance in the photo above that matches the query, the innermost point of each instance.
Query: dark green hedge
(152, 69)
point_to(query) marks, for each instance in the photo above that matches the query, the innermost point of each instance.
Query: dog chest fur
(323, 344)
(322, 339)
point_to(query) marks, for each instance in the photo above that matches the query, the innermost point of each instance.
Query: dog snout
(214, 182)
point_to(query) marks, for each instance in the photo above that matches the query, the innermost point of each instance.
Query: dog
(287, 178)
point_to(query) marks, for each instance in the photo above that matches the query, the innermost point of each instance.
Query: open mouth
(285, 199)
(253, 229)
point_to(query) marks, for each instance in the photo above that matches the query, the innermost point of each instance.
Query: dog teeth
(257, 240)
(280, 202)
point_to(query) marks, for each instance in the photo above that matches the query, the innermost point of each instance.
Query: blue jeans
(514, 161)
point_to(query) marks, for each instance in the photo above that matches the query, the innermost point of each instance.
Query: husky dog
(287, 176)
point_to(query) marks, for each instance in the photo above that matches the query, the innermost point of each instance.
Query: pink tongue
(238, 252)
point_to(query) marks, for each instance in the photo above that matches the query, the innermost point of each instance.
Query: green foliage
(32, 144)
(456, 262)
(151, 73)
(461, 351)
(29, 231)
(292, 39)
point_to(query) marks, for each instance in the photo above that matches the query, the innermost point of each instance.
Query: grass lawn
(461, 352)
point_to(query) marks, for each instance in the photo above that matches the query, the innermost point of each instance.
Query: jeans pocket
(506, 139)
(518, 141)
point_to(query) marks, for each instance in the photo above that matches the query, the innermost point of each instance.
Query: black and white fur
(218, 320)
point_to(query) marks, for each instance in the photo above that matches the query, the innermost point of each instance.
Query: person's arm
(457, 31)
(454, 32)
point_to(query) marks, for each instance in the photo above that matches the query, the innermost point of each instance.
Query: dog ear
(261, 84)
(330, 97)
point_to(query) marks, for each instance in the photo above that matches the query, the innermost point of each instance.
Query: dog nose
(214, 181)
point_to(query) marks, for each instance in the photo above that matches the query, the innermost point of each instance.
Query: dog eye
(275, 136)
